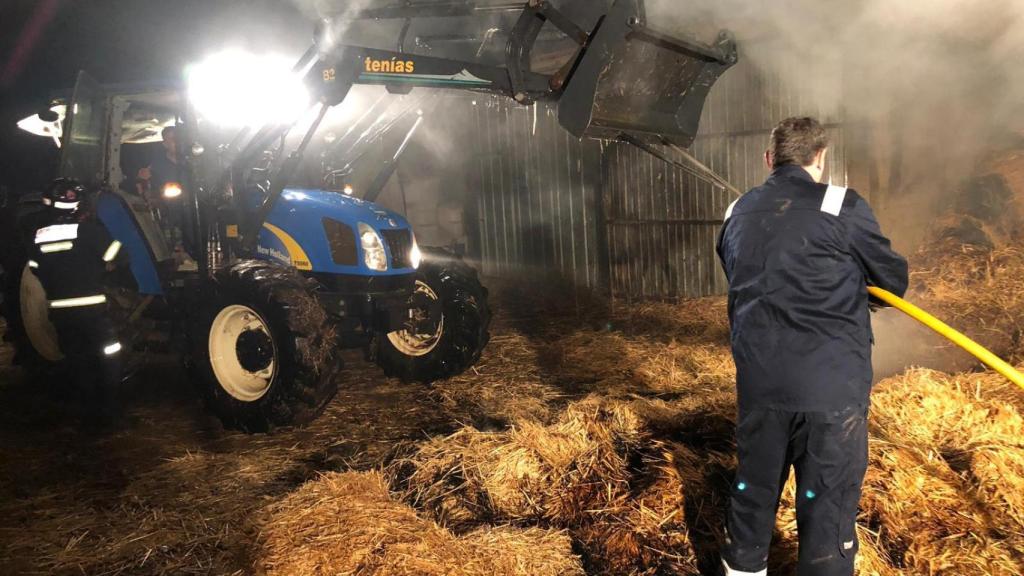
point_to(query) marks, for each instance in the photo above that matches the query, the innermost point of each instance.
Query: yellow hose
(979, 351)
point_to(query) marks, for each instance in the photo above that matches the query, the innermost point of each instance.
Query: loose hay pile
(638, 472)
(575, 467)
(348, 523)
(950, 430)
(594, 471)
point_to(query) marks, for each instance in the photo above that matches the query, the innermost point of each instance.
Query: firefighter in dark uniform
(799, 256)
(71, 257)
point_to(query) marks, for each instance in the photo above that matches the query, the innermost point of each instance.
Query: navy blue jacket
(76, 268)
(799, 257)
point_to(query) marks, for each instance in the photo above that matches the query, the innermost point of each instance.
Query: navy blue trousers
(829, 451)
(83, 333)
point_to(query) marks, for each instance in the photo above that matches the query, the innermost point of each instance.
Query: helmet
(64, 194)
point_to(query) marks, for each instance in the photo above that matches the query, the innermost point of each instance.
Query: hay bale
(563, 472)
(924, 519)
(692, 320)
(999, 476)
(676, 367)
(593, 359)
(980, 291)
(505, 386)
(930, 409)
(575, 473)
(445, 476)
(507, 550)
(649, 535)
(872, 559)
(973, 434)
(347, 523)
(614, 362)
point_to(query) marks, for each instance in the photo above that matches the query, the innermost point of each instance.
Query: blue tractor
(260, 282)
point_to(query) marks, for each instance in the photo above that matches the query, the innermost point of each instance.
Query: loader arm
(333, 76)
(624, 80)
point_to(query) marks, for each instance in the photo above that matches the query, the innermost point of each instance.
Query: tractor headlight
(415, 256)
(373, 248)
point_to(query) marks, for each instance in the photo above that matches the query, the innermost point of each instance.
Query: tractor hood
(318, 231)
(338, 207)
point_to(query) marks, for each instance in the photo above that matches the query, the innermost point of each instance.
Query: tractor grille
(342, 242)
(400, 244)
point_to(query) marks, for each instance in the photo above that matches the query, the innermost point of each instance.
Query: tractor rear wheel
(262, 350)
(450, 324)
(29, 329)
(25, 305)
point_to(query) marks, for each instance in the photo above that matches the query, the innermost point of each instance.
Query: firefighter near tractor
(258, 282)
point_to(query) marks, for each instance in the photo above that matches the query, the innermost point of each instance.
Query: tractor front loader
(280, 277)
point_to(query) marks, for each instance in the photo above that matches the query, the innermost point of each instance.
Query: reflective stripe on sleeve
(76, 302)
(56, 233)
(112, 349)
(730, 572)
(728, 212)
(33, 264)
(833, 202)
(112, 251)
(56, 247)
(65, 205)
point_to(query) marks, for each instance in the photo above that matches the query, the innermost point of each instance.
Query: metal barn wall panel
(612, 217)
(663, 222)
(538, 193)
(662, 225)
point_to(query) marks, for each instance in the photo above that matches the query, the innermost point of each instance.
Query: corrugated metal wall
(612, 217)
(539, 192)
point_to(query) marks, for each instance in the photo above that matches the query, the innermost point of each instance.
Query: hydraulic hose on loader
(979, 351)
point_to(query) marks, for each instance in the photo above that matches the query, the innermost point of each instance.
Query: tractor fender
(142, 245)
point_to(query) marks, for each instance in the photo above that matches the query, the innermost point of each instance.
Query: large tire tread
(18, 238)
(467, 317)
(305, 382)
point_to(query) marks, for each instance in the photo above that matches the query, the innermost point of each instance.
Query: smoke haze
(928, 87)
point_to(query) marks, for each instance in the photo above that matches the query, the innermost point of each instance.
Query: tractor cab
(106, 134)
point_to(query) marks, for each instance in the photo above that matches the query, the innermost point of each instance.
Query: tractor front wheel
(448, 326)
(262, 350)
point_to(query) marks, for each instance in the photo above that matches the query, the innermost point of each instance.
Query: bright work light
(172, 190)
(236, 88)
(415, 255)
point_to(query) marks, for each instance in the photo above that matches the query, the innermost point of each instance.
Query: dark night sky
(116, 41)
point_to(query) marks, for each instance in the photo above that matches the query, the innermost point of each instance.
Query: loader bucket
(633, 81)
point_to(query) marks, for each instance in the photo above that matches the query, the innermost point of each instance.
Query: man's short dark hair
(797, 141)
